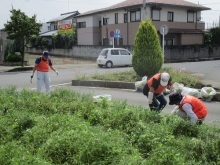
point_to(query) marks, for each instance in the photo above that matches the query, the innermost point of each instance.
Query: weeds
(185, 77)
(65, 127)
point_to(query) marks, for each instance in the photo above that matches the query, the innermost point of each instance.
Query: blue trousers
(158, 103)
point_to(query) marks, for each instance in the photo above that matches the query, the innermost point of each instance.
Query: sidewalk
(14, 68)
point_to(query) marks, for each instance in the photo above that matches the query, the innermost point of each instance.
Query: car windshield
(104, 52)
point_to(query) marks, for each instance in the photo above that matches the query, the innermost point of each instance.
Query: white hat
(164, 78)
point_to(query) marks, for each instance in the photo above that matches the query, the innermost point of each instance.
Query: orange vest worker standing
(42, 65)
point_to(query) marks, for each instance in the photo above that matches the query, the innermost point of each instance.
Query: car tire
(109, 64)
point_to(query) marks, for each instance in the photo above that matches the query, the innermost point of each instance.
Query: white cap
(164, 78)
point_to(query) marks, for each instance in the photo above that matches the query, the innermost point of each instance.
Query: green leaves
(147, 55)
(65, 127)
(21, 28)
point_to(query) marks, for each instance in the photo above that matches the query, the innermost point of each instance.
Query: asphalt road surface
(67, 72)
(207, 70)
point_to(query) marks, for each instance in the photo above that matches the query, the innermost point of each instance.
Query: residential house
(121, 21)
(63, 22)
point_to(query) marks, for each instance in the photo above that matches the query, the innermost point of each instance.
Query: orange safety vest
(160, 88)
(197, 106)
(43, 66)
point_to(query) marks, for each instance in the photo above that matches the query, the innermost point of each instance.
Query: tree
(21, 27)
(147, 57)
(215, 33)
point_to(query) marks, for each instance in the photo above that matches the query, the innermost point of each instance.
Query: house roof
(63, 16)
(130, 3)
(49, 33)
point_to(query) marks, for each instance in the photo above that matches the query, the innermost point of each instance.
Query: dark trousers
(158, 103)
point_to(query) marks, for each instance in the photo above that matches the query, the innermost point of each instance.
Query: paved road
(208, 70)
(70, 71)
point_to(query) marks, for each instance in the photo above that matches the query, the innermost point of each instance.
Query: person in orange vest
(154, 89)
(42, 65)
(188, 107)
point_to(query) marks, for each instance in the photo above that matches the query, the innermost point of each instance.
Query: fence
(172, 53)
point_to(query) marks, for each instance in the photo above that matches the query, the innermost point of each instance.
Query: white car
(110, 57)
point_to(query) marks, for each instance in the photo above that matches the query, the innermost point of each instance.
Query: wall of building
(188, 39)
(85, 36)
(128, 30)
(172, 53)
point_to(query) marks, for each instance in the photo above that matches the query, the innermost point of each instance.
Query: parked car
(110, 57)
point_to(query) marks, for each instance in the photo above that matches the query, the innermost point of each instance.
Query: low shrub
(13, 58)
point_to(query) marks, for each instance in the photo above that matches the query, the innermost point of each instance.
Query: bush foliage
(147, 57)
(66, 127)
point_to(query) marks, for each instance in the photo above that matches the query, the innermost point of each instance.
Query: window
(48, 28)
(55, 27)
(81, 24)
(135, 16)
(190, 16)
(168, 41)
(170, 16)
(116, 18)
(105, 21)
(156, 14)
(104, 52)
(125, 17)
(124, 52)
(100, 23)
(114, 52)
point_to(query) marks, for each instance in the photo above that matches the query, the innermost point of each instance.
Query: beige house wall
(89, 36)
(129, 30)
(189, 39)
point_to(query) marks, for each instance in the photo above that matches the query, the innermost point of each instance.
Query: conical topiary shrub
(147, 57)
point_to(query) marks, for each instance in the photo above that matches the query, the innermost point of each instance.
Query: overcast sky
(49, 9)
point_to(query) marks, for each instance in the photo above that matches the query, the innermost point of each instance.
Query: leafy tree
(147, 54)
(45, 42)
(21, 27)
(215, 33)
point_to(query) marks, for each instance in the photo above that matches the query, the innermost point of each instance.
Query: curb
(20, 69)
(116, 84)
(106, 84)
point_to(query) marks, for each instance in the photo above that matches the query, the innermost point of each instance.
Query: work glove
(56, 72)
(150, 97)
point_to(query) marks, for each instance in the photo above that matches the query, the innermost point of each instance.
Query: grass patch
(183, 77)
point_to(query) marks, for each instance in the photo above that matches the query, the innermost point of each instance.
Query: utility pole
(144, 10)
(219, 22)
(106, 30)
